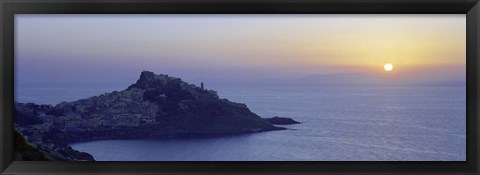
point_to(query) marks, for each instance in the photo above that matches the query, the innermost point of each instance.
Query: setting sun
(388, 67)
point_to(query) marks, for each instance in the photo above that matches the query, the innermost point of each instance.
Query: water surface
(338, 124)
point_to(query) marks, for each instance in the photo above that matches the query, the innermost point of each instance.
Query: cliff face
(156, 106)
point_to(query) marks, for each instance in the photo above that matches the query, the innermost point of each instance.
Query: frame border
(8, 9)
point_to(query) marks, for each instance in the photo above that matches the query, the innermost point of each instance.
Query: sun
(388, 67)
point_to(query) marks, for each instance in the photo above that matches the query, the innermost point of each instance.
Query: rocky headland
(281, 121)
(155, 107)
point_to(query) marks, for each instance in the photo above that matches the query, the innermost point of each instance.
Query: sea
(338, 123)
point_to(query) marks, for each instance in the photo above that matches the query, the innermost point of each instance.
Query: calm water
(338, 123)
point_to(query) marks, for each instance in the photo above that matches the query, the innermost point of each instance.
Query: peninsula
(155, 107)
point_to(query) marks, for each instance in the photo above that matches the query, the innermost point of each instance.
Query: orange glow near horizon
(261, 45)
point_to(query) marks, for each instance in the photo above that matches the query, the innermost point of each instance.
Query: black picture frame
(11, 7)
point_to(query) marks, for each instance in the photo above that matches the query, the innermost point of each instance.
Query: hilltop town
(155, 107)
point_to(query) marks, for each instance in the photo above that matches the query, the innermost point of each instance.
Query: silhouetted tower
(201, 85)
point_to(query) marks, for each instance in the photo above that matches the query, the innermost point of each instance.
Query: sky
(58, 49)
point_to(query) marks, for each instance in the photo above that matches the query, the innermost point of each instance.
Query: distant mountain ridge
(351, 79)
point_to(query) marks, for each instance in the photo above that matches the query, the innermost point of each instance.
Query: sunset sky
(116, 48)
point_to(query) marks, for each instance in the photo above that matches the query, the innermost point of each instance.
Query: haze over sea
(339, 123)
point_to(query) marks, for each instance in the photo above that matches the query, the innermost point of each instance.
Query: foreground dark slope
(155, 107)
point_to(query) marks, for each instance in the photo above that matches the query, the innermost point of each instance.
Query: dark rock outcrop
(281, 121)
(27, 152)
